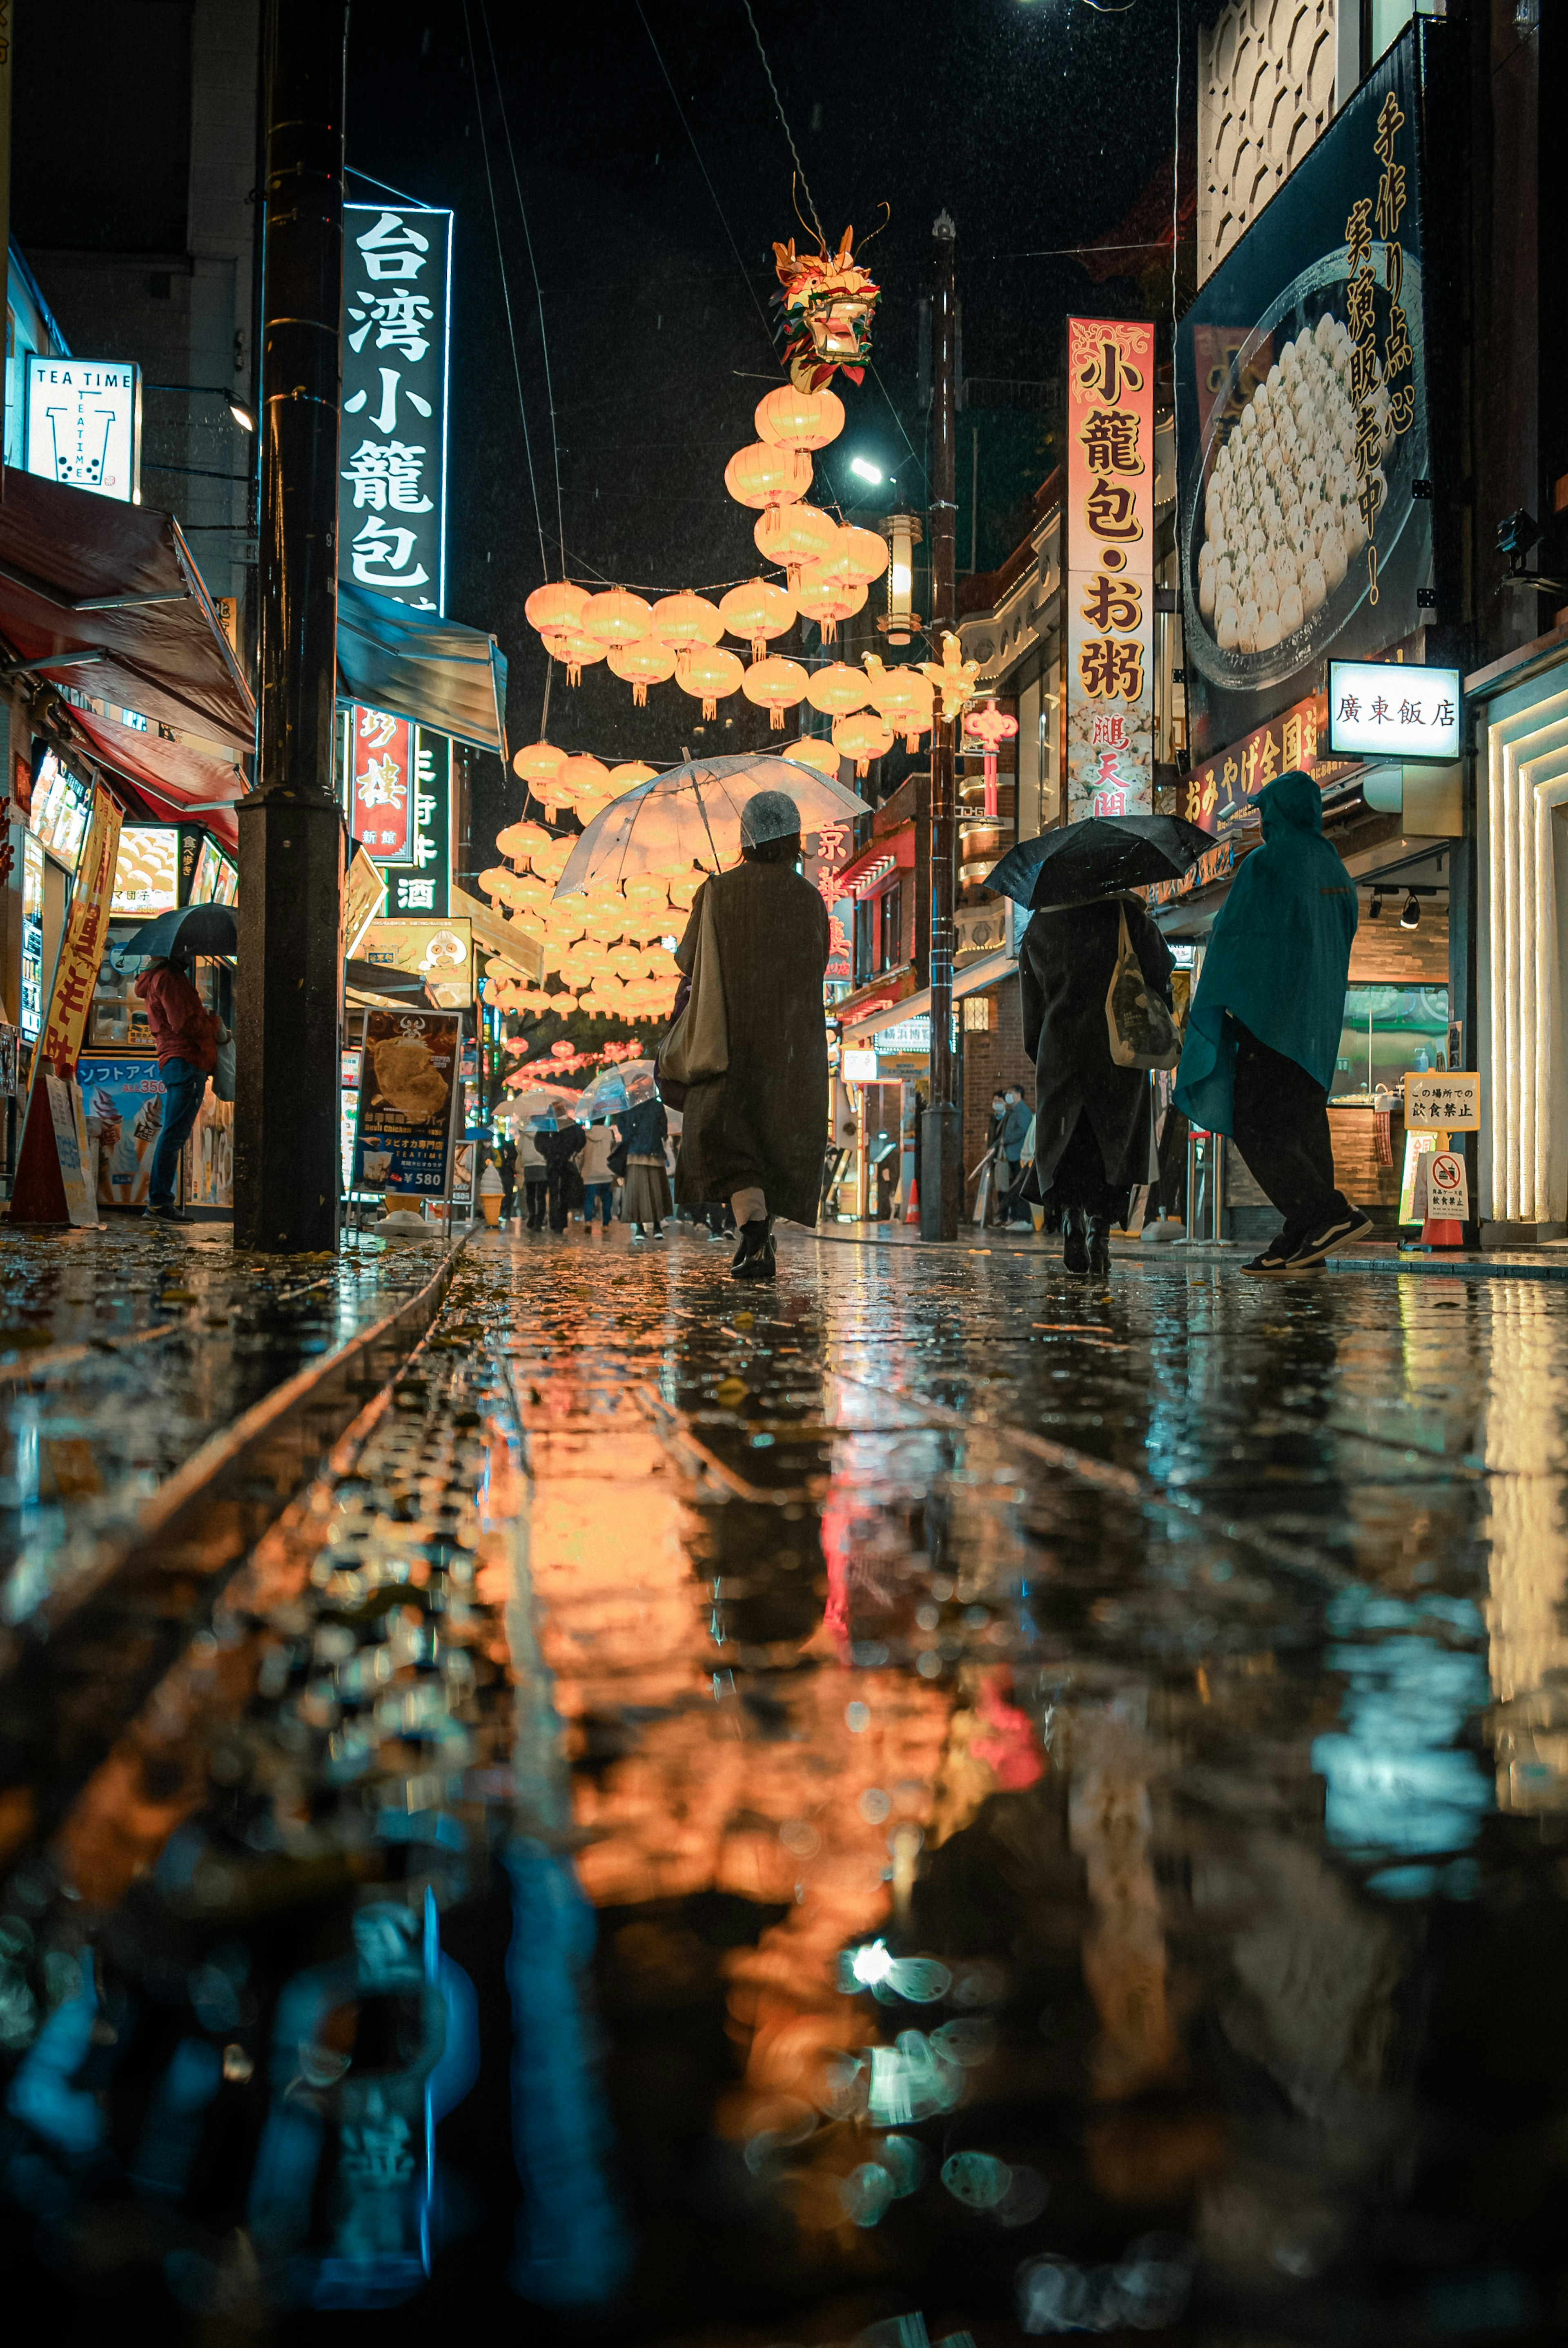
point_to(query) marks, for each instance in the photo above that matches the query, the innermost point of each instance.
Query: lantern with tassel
(709, 676)
(686, 618)
(775, 684)
(863, 553)
(862, 737)
(828, 600)
(788, 419)
(794, 536)
(575, 652)
(836, 690)
(557, 608)
(821, 757)
(757, 612)
(616, 617)
(585, 778)
(626, 777)
(647, 662)
(903, 696)
(538, 764)
(760, 476)
(989, 725)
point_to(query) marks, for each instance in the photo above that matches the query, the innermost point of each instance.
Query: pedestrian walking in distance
(1014, 1130)
(560, 1146)
(185, 1038)
(598, 1183)
(755, 1117)
(1091, 1116)
(535, 1178)
(506, 1167)
(644, 1129)
(1263, 1033)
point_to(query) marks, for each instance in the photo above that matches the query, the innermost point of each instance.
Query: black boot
(1075, 1252)
(1099, 1236)
(756, 1257)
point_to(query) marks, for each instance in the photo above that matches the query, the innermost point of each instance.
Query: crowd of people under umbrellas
(745, 1060)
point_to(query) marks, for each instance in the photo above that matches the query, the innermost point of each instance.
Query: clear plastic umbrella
(621, 1086)
(691, 816)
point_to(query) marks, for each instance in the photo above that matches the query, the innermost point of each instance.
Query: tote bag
(223, 1069)
(697, 1044)
(1143, 1032)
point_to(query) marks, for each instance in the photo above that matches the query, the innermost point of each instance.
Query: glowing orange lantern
(862, 739)
(828, 600)
(757, 612)
(794, 536)
(686, 618)
(760, 476)
(863, 552)
(641, 664)
(626, 777)
(557, 608)
(775, 686)
(788, 419)
(709, 676)
(836, 690)
(539, 764)
(576, 652)
(585, 775)
(904, 697)
(617, 617)
(808, 752)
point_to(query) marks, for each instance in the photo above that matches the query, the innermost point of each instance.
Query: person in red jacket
(186, 1038)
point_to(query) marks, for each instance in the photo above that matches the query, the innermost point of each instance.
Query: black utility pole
(942, 1157)
(290, 990)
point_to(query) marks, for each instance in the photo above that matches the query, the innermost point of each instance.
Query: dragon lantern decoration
(828, 302)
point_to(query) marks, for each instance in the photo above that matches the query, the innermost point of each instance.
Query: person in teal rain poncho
(1263, 1033)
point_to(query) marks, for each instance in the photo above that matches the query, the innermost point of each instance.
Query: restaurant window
(892, 927)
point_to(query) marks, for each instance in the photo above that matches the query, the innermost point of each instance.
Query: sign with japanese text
(424, 887)
(402, 1138)
(1303, 462)
(82, 947)
(71, 1144)
(364, 897)
(1110, 568)
(84, 424)
(381, 783)
(1220, 794)
(827, 854)
(1381, 709)
(392, 510)
(1446, 1188)
(147, 870)
(125, 1101)
(1440, 1101)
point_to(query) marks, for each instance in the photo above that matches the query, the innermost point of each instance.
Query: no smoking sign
(1448, 1189)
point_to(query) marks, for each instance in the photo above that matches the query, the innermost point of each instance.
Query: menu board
(404, 1133)
(124, 1098)
(146, 869)
(32, 1018)
(62, 803)
(217, 882)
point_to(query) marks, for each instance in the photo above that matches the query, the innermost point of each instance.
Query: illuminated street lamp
(903, 533)
(866, 470)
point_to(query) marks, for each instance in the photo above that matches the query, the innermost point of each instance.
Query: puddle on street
(935, 1802)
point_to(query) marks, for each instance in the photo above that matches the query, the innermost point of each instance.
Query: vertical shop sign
(1110, 568)
(87, 933)
(424, 887)
(827, 852)
(32, 1017)
(392, 532)
(381, 795)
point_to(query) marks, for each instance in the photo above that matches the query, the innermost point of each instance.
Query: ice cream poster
(404, 1133)
(123, 1103)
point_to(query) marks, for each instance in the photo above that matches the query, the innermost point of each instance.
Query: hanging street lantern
(793, 535)
(989, 725)
(903, 532)
(827, 600)
(904, 697)
(616, 617)
(811, 751)
(538, 766)
(709, 676)
(862, 737)
(788, 419)
(756, 611)
(686, 618)
(837, 689)
(775, 684)
(558, 607)
(758, 475)
(642, 665)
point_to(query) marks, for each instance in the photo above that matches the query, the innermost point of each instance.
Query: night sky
(1037, 123)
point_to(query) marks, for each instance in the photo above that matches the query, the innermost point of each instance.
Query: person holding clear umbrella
(751, 1045)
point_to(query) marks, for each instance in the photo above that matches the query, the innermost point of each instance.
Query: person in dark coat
(756, 1135)
(1091, 1118)
(506, 1167)
(644, 1129)
(558, 1146)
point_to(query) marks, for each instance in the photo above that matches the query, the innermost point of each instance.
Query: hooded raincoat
(1277, 959)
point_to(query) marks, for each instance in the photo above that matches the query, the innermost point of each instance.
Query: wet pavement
(935, 1802)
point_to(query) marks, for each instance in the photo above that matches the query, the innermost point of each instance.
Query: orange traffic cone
(913, 1212)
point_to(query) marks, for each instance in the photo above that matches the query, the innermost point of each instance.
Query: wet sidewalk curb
(79, 1665)
(1471, 1265)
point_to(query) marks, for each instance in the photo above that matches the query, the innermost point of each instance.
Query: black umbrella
(187, 930)
(1097, 857)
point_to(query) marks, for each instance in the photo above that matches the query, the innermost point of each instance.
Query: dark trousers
(183, 1087)
(1281, 1128)
(1008, 1184)
(537, 1193)
(557, 1186)
(509, 1192)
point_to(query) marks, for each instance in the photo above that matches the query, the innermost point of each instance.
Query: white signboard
(1442, 1101)
(1390, 709)
(1448, 1188)
(84, 425)
(392, 513)
(858, 1067)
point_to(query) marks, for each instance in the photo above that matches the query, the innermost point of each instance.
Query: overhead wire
(778, 102)
(533, 265)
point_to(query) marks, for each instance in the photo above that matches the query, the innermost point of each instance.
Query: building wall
(1266, 93)
(993, 1058)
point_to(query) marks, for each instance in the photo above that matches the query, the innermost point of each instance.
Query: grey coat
(763, 1122)
(1064, 970)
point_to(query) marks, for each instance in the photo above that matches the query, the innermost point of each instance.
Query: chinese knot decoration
(952, 676)
(828, 303)
(989, 726)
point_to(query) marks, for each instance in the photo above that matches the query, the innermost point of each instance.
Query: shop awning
(414, 664)
(106, 596)
(970, 978)
(175, 779)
